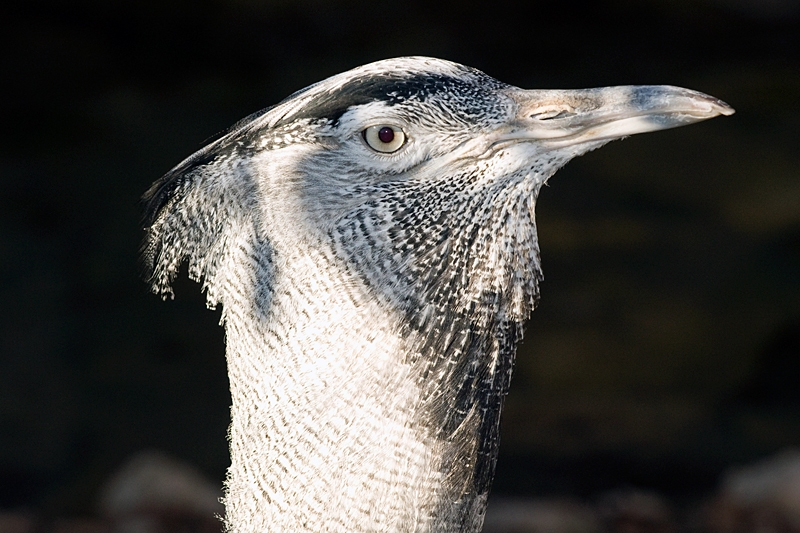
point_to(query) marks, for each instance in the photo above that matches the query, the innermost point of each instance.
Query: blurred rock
(762, 497)
(16, 522)
(155, 493)
(636, 511)
(539, 516)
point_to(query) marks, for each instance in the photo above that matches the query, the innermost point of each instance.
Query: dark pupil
(386, 134)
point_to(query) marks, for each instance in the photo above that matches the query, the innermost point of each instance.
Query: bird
(372, 243)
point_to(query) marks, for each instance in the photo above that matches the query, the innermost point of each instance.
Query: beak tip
(722, 108)
(718, 107)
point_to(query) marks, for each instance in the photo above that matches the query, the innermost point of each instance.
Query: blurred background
(666, 348)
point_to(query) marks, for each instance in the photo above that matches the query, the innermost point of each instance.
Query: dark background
(667, 344)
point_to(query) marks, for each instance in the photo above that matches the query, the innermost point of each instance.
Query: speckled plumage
(372, 302)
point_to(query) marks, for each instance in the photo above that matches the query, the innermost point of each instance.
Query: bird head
(423, 120)
(421, 174)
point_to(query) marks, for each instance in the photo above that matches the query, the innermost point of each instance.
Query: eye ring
(384, 138)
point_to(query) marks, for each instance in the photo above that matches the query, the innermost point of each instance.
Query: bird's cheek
(516, 156)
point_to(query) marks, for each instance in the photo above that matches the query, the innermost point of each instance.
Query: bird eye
(384, 139)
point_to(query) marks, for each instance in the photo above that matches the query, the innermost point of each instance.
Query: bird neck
(344, 417)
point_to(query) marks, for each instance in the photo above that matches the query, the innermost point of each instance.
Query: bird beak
(561, 118)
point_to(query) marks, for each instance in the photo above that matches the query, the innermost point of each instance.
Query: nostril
(551, 114)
